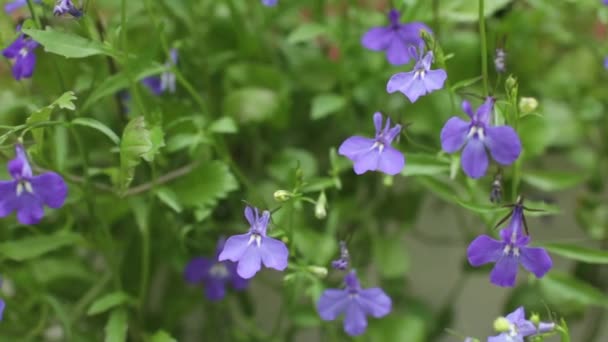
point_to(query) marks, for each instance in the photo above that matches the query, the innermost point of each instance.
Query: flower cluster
(63, 7)
(515, 327)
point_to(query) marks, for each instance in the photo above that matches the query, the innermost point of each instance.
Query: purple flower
(395, 38)
(2, 305)
(27, 194)
(166, 81)
(606, 60)
(375, 154)
(508, 253)
(66, 6)
(605, 2)
(253, 249)
(500, 60)
(214, 275)
(421, 80)
(12, 6)
(478, 135)
(270, 2)
(518, 328)
(355, 303)
(22, 52)
(344, 261)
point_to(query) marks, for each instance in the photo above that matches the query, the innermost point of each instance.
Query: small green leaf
(92, 123)
(325, 104)
(32, 247)
(251, 104)
(224, 125)
(205, 185)
(568, 290)
(305, 32)
(399, 327)
(392, 255)
(66, 101)
(157, 137)
(116, 328)
(553, 180)
(161, 335)
(41, 115)
(420, 164)
(578, 253)
(167, 196)
(67, 44)
(466, 83)
(480, 208)
(108, 302)
(138, 141)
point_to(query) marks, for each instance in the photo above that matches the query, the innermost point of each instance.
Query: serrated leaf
(107, 302)
(67, 44)
(157, 137)
(420, 164)
(223, 125)
(205, 185)
(138, 141)
(167, 196)
(32, 247)
(326, 104)
(66, 101)
(92, 123)
(569, 290)
(116, 328)
(553, 180)
(578, 253)
(305, 32)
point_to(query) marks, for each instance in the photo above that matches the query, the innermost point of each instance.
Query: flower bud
(282, 195)
(321, 206)
(318, 271)
(535, 319)
(527, 105)
(501, 324)
(511, 82)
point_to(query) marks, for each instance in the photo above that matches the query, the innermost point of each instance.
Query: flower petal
(503, 143)
(434, 80)
(274, 253)
(377, 38)
(50, 188)
(391, 161)
(474, 159)
(517, 316)
(29, 208)
(332, 304)
(12, 51)
(454, 134)
(504, 337)
(238, 282)
(8, 197)
(466, 107)
(535, 260)
(2, 305)
(250, 262)
(235, 247)
(484, 250)
(355, 146)
(505, 271)
(250, 215)
(24, 66)
(197, 269)
(215, 289)
(355, 321)
(397, 51)
(378, 122)
(374, 302)
(406, 83)
(367, 162)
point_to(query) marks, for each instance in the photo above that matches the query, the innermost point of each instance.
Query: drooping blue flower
(253, 249)
(518, 327)
(21, 51)
(12, 6)
(509, 253)
(166, 80)
(375, 154)
(344, 261)
(477, 136)
(270, 2)
(421, 80)
(27, 194)
(63, 7)
(355, 303)
(395, 39)
(214, 275)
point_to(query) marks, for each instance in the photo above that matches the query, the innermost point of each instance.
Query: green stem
(30, 5)
(484, 48)
(124, 42)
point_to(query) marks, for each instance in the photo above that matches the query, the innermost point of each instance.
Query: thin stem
(30, 5)
(484, 48)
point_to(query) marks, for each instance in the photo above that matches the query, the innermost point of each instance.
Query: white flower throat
(24, 185)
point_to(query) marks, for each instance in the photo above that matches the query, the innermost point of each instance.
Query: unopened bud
(321, 206)
(511, 82)
(535, 319)
(502, 324)
(282, 195)
(318, 271)
(527, 105)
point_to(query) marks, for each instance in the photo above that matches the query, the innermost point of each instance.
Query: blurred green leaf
(325, 104)
(579, 253)
(390, 252)
(398, 327)
(116, 328)
(92, 123)
(468, 10)
(251, 104)
(108, 302)
(305, 32)
(205, 185)
(67, 44)
(421, 164)
(162, 336)
(35, 246)
(553, 180)
(317, 247)
(568, 290)
(167, 196)
(465, 83)
(223, 125)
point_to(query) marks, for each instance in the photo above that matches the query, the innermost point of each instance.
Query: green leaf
(553, 180)
(325, 104)
(116, 328)
(305, 32)
(67, 44)
(157, 137)
(138, 141)
(107, 302)
(466, 83)
(420, 164)
(468, 10)
(441, 188)
(205, 185)
(41, 115)
(162, 336)
(480, 208)
(167, 196)
(223, 125)
(578, 253)
(66, 101)
(317, 247)
(251, 104)
(390, 252)
(399, 327)
(567, 290)
(32, 247)
(92, 123)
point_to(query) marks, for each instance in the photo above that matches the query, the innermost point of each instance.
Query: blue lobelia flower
(63, 7)
(421, 80)
(12, 6)
(355, 303)
(21, 51)
(395, 39)
(375, 154)
(253, 249)
(344, 261)
(270, 2)
(509, 252)
(477, 136)
(166, 81)
(2, 305)
(27, 194)
(214, 275)
(517, 327)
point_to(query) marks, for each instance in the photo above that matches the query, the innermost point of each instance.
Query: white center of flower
(378, 145)
(419, 74)
(476, 131)
(511, 249)
(255, 237)
(23, 52)
(24, 185)
(219, 270)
